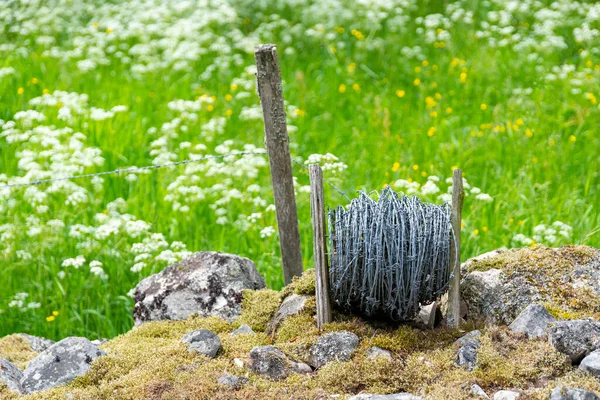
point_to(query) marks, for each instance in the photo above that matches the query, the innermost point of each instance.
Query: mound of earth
(355, 357)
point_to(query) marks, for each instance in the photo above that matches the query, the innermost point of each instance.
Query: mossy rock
(499, 285)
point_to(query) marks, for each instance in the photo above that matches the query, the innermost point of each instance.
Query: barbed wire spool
(389, 256)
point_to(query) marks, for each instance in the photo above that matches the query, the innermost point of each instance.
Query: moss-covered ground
(150, 362)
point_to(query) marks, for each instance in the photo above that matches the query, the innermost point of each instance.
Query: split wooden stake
(317, 212)
(458, 194)
(270, 91)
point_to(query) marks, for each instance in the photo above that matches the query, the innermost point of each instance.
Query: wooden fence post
(317, 212)
(270, 91)
(453, 313)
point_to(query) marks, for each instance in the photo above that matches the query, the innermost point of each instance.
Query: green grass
(537, 155)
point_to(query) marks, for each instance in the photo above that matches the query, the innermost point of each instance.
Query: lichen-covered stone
(232, 381)
(243, 330)
(498, 285)
(11, 376)
(591, 364)
(335, 346)
(494, 298)
(273, 363)
(467, 354)
(374, 352)
(37, 344)
(395, 396)
(60, 363)
(203, 341)
(566, 393)
(291, 305)
(479, 392)
(576, 338)
(205, 284)
(506, 395)
(534, 321)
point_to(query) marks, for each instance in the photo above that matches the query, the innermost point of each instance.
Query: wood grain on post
(317, 213)
(270, 91)
(458, 193)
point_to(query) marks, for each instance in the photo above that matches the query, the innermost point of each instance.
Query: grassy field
(393, 92)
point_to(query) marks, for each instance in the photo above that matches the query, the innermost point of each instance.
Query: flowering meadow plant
(394, 92)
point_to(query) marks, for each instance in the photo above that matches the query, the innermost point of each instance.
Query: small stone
(374, 352)
(203, 341)
(506, 395)
(467, 353)
(238, 363)
(37, 344)
(533, 320)
(270, 362)
(591, 364)
(60, 363)
(479, 392)
(301, 368)
(427, 316)
(242, 330)
(11, 376)
(335, 346)
(565, 393)
(232, 381)
(396, 396)
(576, 338)
(100, 341)
(291, 305)
(468, 337)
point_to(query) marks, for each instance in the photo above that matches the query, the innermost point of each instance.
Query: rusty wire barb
(389, 255)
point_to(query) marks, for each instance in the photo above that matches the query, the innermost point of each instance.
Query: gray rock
(273, 363)
(494, 298)
(203, 341)
(506, 395)
(100, 341)
(291, 305)
(374, 352)
(533, 320)
(497, 298)
(205, 284)
(60, 363)
(37, 344)
(576, 338)
(473, 335)
(591, 364)
(565, 393)
(479, 392)
(467, 354)
(335, 346)
(11, 376)
(427, 316)
(232, 381)
(396, 396)
(242, 330)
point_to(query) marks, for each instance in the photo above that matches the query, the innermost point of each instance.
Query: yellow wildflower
(400, 93)
(342, 88)
(396, 166)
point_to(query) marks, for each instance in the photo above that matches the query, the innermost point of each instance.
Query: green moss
(258, 307)
(304, 285)
(17, 350)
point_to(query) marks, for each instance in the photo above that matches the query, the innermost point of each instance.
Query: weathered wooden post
(270, 91)
(453, 313)
(317, 212)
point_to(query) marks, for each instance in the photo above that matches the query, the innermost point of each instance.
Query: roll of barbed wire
(388, 256)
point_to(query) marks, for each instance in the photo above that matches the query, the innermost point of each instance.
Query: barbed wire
(158, 166)
(389, 256)
(133, 169)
